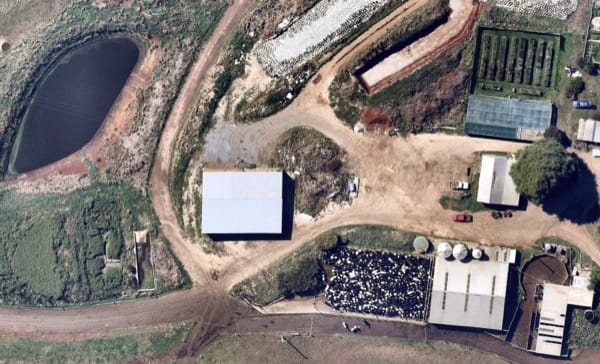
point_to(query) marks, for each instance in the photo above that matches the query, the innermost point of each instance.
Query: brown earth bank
(115, 125)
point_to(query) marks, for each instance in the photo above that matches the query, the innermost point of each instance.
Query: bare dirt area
(410, 58)
(107, 139)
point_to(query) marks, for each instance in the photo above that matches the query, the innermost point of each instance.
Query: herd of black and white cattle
(379, 283)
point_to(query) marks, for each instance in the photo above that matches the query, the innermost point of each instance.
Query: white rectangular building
(553, 314)
(588, 130)
(242, 202)
(471, 294)
(496, 186)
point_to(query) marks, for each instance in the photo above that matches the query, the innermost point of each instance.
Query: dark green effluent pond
(72, 102)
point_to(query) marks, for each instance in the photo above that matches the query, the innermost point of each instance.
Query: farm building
(471, 293)
(496, 186)
(242, 202)
(507, 118)
(552, 317)
(588, 130)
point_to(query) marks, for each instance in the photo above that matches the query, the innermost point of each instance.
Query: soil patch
(377, 120)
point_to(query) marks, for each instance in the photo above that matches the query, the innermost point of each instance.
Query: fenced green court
(515, 62)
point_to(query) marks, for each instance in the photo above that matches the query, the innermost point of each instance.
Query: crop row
(519, 60)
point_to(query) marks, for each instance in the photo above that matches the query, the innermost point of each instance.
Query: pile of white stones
(560, 9)
(313, 33)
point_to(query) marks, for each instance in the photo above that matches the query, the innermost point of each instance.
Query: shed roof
(588, 130)
(469, 294)
(507, 118)
(496, 186)
(553, 315)
(242, 202)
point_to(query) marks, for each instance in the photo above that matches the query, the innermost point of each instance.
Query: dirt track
(401, 181)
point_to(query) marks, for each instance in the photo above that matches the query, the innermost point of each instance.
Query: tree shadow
(576, 200)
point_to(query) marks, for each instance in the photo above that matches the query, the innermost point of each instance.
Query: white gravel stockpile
(560, 9)
(314, 32)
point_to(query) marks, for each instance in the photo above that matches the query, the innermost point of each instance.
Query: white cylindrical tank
(477, 253)
(444, 250)
(460, 252)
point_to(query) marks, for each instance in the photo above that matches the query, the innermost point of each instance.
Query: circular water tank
(477, 253)
(589, 315)
(421, 244)
(444, 249)
(460, 252)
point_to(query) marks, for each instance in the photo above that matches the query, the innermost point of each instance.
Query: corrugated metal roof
(469, 294)
(242, 202)
(553, 313)
(588, 130)
(495, 183)
(503, 117)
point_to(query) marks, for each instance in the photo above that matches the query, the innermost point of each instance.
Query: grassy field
(110, 350)
(377, 237)
(53, 245)
(263, 348)
(525, 61)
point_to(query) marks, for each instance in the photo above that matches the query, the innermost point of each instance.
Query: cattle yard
(515, 62)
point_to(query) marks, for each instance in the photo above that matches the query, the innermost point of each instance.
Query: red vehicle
(462, 218)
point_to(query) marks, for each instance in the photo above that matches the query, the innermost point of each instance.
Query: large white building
(588, 130)
(496, 186)
(553, 315)
(472, 293)
(242, 202)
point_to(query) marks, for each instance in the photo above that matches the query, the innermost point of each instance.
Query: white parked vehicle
(459, 185)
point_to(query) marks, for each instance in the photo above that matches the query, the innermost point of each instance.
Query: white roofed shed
(496, 186)
(242, 202)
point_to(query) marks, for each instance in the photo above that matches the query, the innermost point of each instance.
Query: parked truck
(582, 104)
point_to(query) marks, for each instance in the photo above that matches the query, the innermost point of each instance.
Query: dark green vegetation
(301, 272)
(54, 245)
(109, 350)
(376, 237)
(525, 61)
(62, 117)
(541, 168)
(322, 166)
(426, 99)
(179, 27)
(463, 201)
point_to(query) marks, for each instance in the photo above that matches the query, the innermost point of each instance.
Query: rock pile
(313, 33)
(379, 283)
(560, 9)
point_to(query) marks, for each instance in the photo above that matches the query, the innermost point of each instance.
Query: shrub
(328, 240)
(113, 278)
(575, 87)
(303, 277)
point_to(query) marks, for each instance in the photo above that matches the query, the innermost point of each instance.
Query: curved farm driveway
(401, 182)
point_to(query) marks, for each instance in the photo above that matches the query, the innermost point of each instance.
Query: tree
(575, 87)
(555, 133)
(541, 168)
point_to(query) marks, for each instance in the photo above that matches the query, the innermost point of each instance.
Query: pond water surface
(72, 102)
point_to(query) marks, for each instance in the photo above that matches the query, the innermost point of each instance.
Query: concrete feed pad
(444, 34)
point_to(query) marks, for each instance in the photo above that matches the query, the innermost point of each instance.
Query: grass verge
(109, 350)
